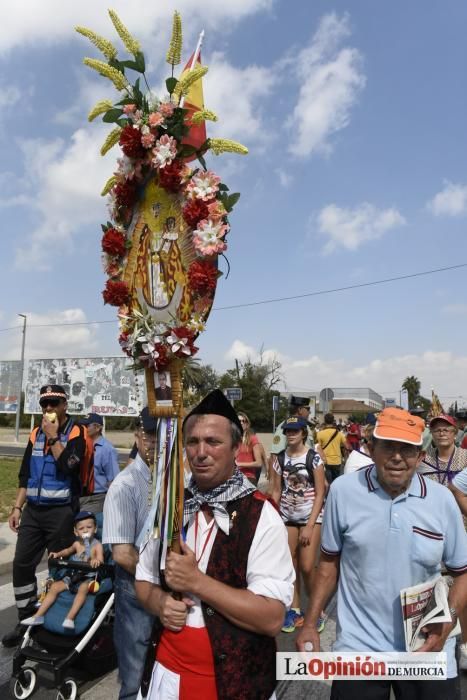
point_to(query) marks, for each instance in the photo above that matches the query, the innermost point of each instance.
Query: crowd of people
(364, 511)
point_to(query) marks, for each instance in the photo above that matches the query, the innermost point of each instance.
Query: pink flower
(148, 140)
(128, 109)
(203, 185)
(185, 174)
(164, 151)
(208, 237)
(166, 109)
(155, 119)
(216, 210)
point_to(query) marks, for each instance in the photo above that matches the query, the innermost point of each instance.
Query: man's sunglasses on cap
(49, 402)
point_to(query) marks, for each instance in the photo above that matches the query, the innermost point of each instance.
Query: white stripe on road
(7, 597)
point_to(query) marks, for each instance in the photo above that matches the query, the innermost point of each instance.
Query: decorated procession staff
(168, 227)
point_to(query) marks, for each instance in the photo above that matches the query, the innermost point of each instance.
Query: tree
(198, 380)
(259, 382)
(412, 385)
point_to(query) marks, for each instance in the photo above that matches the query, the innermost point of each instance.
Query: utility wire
(320, 292)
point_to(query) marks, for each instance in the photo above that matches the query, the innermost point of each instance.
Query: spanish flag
(194, 102)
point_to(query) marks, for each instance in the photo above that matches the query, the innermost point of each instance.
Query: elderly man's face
(396, 463)
(208, 443)
(162, 380)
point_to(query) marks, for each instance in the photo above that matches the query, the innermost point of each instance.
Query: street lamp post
(21, 371)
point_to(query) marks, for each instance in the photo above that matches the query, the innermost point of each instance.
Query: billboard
(101, 385)
(9, 385)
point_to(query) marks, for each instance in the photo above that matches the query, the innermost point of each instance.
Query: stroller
(68, 654)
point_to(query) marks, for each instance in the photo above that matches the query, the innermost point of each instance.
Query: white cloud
(285, 179)
(235, 95)
(455, 309)
(9, 96)
(51, 21)
(67, 182)
(450, 201)
(446, 372)
(50, 340)
(350, 228)
(331, 80)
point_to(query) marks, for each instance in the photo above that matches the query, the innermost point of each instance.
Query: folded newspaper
(425, 604)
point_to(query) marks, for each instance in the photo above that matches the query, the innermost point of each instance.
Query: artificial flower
(147, 140)
(194, 211)
(113, 242)
(104, 45)
(164, 151)
(169, 176)
(107, 71)
(208, 237)
(180, 341)
(175, 49)
(216, 210)
(202, 276)
(125, 193)
(203, 185)
(131, 44)
(99, 108)
(166, 109)
(128, 109)
(116, 293)
(111, 140)
(155, 119)
(130, 142)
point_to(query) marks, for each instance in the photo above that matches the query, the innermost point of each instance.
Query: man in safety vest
(49, 488)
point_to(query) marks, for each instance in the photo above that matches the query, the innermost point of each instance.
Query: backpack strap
(281, 459)
(330, 439)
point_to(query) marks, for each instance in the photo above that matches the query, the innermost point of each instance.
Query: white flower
(177, 344)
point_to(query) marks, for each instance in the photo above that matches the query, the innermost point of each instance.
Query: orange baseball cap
(402, 426)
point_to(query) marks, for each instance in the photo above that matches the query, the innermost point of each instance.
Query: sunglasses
(49, 402)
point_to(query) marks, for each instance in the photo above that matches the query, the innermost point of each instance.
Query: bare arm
(97, 555)
(15, 516)
(305, 533)
(126, 556)
(245, 609)
(460, 497)
(172, 613)
(67, 552)
(439, 632)
(323, 587)
(275, 485)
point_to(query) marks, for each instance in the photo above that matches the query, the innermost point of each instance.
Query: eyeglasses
(442, 430)
(405, 451)
(49, 402)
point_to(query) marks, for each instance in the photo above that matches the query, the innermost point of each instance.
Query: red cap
(444, 417)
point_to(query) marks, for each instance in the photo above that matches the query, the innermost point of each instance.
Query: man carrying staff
(234, 575)
(386, 528)
(48, 491)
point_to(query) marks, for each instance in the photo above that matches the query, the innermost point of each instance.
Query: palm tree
(412, 385)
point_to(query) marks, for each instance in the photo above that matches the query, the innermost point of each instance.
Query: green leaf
(203, 162)
(112, 115)
(170, 84)
(233, 199)
(130, 64)
(119, 65)
(223, 188)
(185, 151)
(140, 62)
(126, 101)
(122, 122)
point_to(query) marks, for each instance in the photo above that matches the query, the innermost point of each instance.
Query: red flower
(163, 359)
(195, 211)
(116, 293)
(125, 193)
(113, 242)
(169, 176)
(202, 276)
(130, 141)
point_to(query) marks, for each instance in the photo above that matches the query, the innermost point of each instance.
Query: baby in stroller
(87, 548)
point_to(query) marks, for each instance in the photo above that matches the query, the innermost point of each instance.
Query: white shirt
(269, 573)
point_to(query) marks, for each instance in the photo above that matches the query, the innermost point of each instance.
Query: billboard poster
(9, 385)
(101, 385)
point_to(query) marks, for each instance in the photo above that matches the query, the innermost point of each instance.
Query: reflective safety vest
(46, 484)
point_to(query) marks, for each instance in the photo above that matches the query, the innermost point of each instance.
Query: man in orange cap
(386, 528)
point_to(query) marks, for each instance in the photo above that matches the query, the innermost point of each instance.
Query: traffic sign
(234, 393)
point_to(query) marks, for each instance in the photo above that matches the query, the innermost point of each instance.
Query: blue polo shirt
(460, 481)
(105, 464)
(385, 545)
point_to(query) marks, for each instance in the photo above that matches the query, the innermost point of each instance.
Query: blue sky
(354, 113)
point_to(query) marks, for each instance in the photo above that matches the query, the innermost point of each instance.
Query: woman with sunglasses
(298, 487)
(250, 454)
